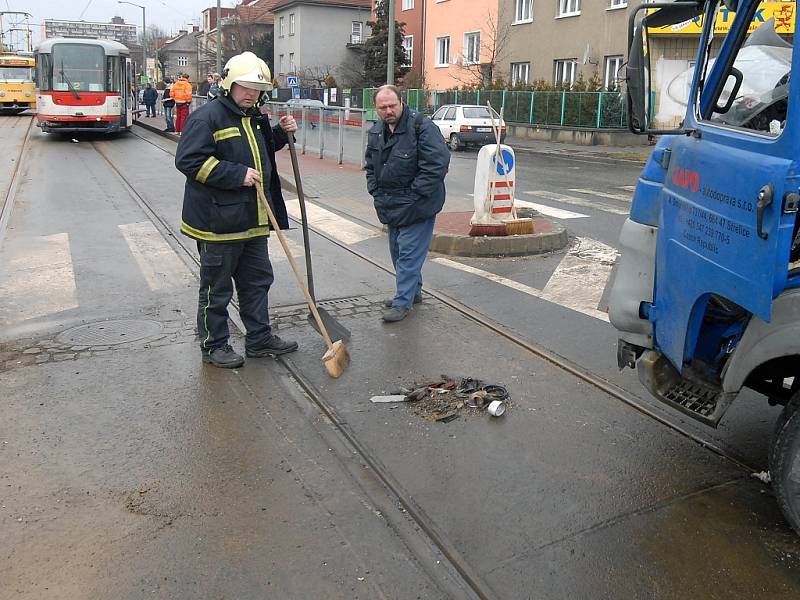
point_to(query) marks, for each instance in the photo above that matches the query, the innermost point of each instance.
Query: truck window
(764, 59)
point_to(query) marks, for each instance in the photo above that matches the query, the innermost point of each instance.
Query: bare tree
(315, 76)
(493, 47)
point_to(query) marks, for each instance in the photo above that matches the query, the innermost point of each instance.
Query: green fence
(590, 110)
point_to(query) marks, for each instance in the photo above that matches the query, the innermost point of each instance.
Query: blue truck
(706, 297)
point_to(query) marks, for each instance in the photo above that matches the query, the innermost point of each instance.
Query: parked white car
(467, 124)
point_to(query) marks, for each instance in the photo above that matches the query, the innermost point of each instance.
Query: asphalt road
(131, 470)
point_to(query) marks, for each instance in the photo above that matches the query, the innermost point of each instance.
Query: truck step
(693, 397)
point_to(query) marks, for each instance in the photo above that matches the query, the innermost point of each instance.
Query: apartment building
(411, 13)
(561, 40)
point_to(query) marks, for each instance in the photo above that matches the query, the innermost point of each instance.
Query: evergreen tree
(376, 56)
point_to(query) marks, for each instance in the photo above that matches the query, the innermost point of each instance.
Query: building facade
(317, 38)
(411, 13)
(559, 41)
(181, 54)
(460, 42)
(116, 30)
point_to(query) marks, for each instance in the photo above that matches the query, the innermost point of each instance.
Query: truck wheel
(785, 470)
(455, 143)
(791, 407)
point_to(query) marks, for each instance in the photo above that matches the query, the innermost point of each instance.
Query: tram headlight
(28, 94)
(2, 93)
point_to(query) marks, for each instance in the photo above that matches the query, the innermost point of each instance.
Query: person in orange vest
(182, 94)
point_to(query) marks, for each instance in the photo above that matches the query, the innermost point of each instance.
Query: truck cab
(706, 297)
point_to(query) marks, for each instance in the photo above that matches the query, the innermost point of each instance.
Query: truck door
(726, 218)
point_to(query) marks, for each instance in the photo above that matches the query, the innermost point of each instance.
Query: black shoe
(274, 346)
(396, 313)
(223, 357)
(388, 303)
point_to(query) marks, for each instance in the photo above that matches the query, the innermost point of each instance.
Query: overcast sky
(170, 15)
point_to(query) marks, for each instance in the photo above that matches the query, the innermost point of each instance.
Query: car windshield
(479, 112)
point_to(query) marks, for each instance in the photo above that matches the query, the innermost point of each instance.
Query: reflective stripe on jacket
(218, 144)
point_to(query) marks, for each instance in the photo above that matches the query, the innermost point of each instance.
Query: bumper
(79, 126)
(472, 137)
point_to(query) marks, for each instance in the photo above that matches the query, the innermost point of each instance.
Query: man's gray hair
(388, 88)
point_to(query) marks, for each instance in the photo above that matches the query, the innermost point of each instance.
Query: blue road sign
(291, 80)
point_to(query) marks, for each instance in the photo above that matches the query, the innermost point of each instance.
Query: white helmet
(247, 70)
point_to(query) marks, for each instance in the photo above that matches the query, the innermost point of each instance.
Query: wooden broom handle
(276, 228)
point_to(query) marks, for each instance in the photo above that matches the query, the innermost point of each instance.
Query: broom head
(494, 229)
(336, 359)
(518, 226)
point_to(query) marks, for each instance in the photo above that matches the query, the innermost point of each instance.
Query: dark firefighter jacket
(219, 142)
(405, 171)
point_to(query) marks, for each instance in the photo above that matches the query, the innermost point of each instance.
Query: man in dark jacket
(226, 149)
(149, 97)
(407, 161)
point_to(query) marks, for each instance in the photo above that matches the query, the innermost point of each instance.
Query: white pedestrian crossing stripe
(549, 211)
(620, 197)
(577, 283)
(628, 188)
(39, 279)
(157, 261)
(332, 224)
(595, 204)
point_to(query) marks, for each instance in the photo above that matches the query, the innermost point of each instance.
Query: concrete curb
(496, 246)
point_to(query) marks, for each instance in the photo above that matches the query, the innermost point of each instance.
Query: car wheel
(454, 143)
(791, 407)
(785, 470)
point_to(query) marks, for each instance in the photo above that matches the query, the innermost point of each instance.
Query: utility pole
(219, 39)
(144, 37)
(390, 45)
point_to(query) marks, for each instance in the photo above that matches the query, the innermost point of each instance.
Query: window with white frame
(471, 52)
(443, 51)
(613, 64)
(564, 72)
(281, 70)
(291, 62)
(356, 31)
(408, 46)
(568, 8)
(183, 61)
(520, 72)
(408, 4)
(291, 24)
(523, 11)
(281, 27)
(617, 3)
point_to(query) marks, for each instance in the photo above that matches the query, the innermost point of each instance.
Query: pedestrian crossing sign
(291, 80)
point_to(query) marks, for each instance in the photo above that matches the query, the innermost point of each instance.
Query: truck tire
(785, 470)
(791, 407)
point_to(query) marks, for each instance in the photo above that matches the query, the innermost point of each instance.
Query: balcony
(356, 41)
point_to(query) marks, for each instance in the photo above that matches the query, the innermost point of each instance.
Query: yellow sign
(782, 12)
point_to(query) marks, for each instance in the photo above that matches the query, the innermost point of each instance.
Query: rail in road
(427, 525)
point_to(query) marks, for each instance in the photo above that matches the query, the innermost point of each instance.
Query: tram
(83, 85)
(17, 88)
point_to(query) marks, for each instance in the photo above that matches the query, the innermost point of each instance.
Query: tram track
(9, 195)
(427, 525)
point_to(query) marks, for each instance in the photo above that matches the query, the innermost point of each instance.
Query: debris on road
(443, 400)
(763, 476)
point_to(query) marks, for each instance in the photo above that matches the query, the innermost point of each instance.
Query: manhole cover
(108, 333)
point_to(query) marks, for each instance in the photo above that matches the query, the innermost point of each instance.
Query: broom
(515, 225)
(336, 358)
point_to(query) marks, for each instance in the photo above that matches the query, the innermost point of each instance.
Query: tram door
(128, 102)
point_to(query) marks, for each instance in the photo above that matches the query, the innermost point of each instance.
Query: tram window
(113, 83)
(78, 67)
(44, 71)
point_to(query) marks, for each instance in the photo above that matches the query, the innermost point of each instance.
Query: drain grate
(109, 333)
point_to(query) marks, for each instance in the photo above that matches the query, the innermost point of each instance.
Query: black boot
(223, 357)
(274, 346)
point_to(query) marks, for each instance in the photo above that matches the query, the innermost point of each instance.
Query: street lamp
(144, 36)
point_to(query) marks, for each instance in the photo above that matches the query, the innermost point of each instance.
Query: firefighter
(226, 149)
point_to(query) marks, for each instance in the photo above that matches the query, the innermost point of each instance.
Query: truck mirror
(638, 81)
(731, 5)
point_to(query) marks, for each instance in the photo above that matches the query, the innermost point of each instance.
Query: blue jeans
(409, 246)
(168, 117)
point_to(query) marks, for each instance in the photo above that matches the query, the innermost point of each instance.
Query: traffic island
(451, 236)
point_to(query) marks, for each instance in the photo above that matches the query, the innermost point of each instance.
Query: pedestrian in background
(213, 86)
(406, 163)
(149, 97)
(181, 92)
(168, 104)
(228, 148)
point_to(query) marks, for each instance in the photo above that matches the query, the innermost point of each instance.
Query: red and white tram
(83, 85)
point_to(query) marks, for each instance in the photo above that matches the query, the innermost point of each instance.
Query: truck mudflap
(700, 399)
